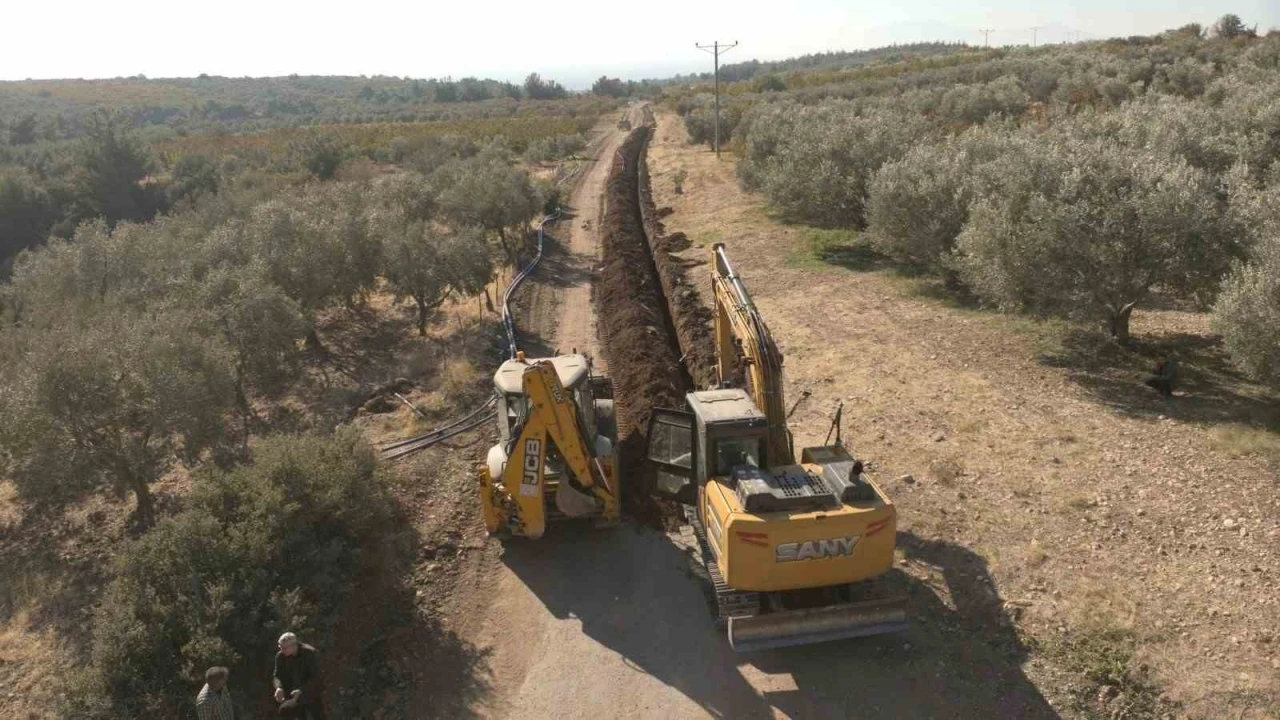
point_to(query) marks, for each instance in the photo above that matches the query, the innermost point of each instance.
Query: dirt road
(556, 312)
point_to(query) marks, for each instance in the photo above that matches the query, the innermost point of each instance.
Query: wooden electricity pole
(715, 49)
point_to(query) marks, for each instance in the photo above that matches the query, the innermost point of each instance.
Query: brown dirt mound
(691, 318)
(636, 334)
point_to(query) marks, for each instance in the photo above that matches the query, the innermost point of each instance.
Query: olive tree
(1114, 224)
(1247, 313)
(1247, 310)
(917, 205)
(429, 265)
(260, 326)
(319, 244)
(814, 163)
(113, 403)
(111, 167)
(487, 192)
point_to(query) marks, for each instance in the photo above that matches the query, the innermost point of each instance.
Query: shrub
(268, 547)
(319, 153)
(1247, 313)
(814, 163)
(916, 206)
(555, 147)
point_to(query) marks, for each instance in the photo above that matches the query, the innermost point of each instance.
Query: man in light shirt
(214, 700)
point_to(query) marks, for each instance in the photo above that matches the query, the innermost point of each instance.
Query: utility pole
(1034, 28)
(716, 49)
(986, 36)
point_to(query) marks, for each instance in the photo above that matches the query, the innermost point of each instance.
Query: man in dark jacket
(297, 679)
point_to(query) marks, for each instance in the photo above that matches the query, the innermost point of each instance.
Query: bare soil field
(1118, 553)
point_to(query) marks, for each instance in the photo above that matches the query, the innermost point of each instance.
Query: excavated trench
(656, 350)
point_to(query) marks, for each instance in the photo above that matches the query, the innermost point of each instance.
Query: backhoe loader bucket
(814, 625)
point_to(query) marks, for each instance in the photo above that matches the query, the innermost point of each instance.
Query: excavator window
(736, 452)
(671, 444)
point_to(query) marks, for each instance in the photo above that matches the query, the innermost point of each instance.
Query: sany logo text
(816, 549)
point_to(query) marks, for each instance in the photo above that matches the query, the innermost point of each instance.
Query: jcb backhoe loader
(785, 545)
(557, 453)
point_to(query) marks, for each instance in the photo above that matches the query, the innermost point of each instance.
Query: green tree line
(1073, 181)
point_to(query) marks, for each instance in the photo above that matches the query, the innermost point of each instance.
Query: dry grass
(1244, 441)
(32, 665)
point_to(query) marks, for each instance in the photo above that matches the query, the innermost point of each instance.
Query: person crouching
(296, 678)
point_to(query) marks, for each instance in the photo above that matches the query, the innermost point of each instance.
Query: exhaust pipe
(814, 625)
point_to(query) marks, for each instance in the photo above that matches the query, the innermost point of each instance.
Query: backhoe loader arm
(552, 418)
(737, 319)
(553, 407)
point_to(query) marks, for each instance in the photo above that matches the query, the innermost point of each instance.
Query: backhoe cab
(556, 456)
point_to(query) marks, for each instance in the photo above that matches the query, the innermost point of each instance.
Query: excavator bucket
(814, 625)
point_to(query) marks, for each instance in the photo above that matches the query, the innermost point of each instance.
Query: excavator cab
(723, 430)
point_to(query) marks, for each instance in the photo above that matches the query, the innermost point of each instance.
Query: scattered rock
(1230, 524)
(907, 480)
(939, 437)
(1107, 693)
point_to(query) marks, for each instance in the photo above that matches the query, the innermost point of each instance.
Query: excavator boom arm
(741, 336)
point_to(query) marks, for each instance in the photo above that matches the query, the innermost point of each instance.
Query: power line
(716, 49)
(986, 35)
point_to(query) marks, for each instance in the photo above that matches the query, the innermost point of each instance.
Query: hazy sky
(571, 41)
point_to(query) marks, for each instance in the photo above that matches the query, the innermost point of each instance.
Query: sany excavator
(557, 453)
(784, 544)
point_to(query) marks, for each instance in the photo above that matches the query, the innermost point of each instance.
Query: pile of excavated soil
(636, 334)
(691, 318)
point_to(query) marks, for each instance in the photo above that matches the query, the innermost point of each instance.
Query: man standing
(297, 679)
(214, 700)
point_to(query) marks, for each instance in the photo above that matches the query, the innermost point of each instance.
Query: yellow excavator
(785, 545)
(557, 452)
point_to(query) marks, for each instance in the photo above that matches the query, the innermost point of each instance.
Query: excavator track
(727, 601)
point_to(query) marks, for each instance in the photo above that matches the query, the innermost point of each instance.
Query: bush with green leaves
(917, 205)
(192, 176)
(1247, 313)
(699, 119)
(555, 147)
(813, 163)
(319, 154)
(267, 547)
